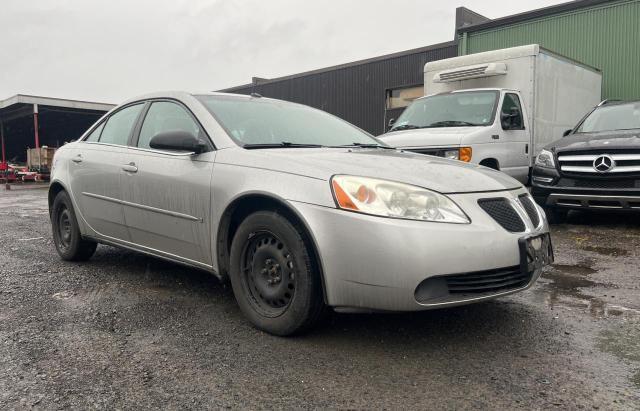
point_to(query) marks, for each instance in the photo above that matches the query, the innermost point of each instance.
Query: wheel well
(241, 208)
(491, 163)
(54, 189)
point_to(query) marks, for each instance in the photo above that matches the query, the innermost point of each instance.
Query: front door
(167, 195)
(96, 171)
(515, 138)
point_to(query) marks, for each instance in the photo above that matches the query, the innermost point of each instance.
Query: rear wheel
(66, 233)
(274, 279)
(556, 216)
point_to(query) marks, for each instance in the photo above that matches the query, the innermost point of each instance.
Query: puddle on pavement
(567, 289)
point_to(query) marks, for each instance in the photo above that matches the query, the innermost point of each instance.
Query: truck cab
(486, 126)
(497, 108)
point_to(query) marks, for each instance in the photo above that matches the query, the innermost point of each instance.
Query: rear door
(167, 195)
(96, 172)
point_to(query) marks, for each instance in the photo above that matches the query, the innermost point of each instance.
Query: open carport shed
(32, 121)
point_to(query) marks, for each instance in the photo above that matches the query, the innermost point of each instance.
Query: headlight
(545, 159)
(452, 154)
(462, 154)
(390, 199)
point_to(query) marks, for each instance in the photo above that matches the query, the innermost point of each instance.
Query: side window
(165, 116)
(119, 125)
(512, 109)
(95, 134)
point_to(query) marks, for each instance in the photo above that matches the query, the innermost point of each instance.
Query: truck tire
(274, 279)
(66, 233)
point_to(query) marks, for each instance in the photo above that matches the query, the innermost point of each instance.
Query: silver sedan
(298, 209)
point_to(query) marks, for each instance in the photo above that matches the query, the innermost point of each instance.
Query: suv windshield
(469, 108)
(609, 118)
(264, 123)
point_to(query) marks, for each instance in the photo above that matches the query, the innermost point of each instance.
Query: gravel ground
(128, 331)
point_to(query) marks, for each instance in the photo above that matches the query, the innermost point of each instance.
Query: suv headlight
(545, 159)
(396, 200)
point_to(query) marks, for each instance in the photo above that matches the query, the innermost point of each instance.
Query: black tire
(556, 216)
(273, 276)
(66, 233)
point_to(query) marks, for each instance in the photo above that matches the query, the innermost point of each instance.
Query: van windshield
(469, 108)
(610, 118)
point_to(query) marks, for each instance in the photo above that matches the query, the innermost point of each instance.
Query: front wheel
(66, 233)
(273, 275)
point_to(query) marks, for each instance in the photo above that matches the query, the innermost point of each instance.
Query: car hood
(619, 139)
(435, 173)
(428, 137)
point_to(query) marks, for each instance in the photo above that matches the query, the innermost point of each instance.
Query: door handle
(130, 168)
(77, 159)
(495, 136)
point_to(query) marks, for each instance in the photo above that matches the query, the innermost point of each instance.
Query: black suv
(595, 166)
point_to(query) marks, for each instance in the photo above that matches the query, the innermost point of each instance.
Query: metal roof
(347, 65)
(533, 14)
(55, 102)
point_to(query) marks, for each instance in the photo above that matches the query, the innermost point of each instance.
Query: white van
(497, 108)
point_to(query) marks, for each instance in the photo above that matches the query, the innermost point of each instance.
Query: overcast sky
(111, 50)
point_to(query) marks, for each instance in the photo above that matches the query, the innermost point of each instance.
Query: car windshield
(469, 108)
(263, 123)
(610, 118)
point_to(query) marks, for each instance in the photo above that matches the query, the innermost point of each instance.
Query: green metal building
(602, 34)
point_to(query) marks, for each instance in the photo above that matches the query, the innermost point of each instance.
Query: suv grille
(582, 162)
(503, 212)
(599, 183)
(530, 208)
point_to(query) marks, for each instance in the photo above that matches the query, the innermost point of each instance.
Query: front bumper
(549, 189)
(377, 263)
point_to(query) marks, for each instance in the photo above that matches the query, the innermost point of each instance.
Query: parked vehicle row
(298, 209)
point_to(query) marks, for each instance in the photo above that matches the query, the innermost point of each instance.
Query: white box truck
(497, 108)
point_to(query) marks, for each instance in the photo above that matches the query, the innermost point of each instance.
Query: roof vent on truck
(469, 72)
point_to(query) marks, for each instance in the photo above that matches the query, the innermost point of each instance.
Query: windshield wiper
(283, 144)
(452, 123)
(405, 127)
(364, 145)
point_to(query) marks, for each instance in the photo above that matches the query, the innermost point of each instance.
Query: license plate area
(535, 253)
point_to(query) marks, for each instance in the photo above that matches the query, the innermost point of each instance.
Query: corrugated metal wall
(605, 36)
(355, 93)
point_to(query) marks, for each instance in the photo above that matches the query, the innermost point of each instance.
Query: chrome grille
(627, 161)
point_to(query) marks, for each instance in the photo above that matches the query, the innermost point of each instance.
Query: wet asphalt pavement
(128, 331)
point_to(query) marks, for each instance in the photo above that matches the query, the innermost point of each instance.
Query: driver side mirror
(392, 121)
(566, 133)
(177, 140)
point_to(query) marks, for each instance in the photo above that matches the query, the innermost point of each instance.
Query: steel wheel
(268, 274)
(64, 228)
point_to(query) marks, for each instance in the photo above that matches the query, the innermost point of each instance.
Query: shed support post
(4, 158)
(35, 125)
